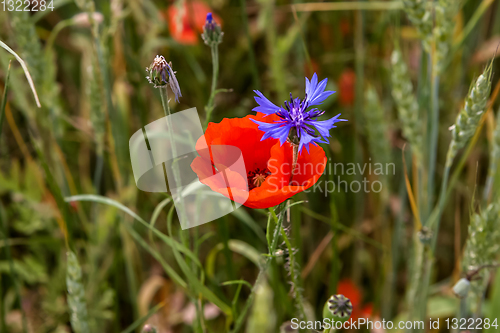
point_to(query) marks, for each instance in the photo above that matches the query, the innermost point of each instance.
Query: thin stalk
(294, 276)
(183, 235)
(214, 48)
(433, 126)
(359, 64)
(251, 53)
(397, 237)
(56, 30)
(167, 112)
(272, 249)
(462, 312)
(4, 98)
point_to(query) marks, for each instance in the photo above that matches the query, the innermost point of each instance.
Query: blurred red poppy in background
(186, 22)
(268, 165)
(347, 81)
(347, 288)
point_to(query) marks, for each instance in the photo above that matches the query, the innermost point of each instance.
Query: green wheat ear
(406, 103)
(482, 246)
(376, 127)
(420, 15)
(445, 13)
(76, 295)
(468, 119)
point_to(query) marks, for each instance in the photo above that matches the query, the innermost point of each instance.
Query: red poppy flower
(348, 289)
(268, 165)
(347, 81)
(185, 23)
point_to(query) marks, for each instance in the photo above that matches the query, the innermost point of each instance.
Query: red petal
(245, 135)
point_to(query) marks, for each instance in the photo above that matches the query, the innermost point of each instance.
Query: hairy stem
(215, 73)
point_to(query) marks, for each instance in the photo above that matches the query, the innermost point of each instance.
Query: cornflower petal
(324, 126)
(277, 130)
(265, 105)
(306, 139)
(315, 92)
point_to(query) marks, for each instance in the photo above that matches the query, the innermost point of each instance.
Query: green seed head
(340, 306)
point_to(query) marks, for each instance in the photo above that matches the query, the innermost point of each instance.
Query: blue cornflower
(212, 33)
(298, 124)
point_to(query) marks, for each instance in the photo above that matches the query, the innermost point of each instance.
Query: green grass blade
(194, 283)
(4, 99)
(176, 246)
(169, 241)
(242, 282)
(143, 319)
(168, 269)
(26, 71)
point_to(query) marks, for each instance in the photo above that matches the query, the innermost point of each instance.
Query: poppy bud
(212, 34)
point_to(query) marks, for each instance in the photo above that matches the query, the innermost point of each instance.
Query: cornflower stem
(272, 244)
(214, 48)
